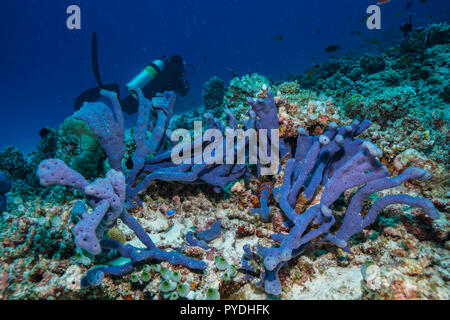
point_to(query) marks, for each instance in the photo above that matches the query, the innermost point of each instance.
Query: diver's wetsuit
(171, 78)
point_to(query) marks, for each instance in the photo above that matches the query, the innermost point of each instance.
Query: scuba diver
(161, 75)
(407, 27)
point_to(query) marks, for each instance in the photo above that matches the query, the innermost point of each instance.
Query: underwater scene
(225, 150)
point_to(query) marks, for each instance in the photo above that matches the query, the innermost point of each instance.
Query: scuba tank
(161, 75)
(147, 74)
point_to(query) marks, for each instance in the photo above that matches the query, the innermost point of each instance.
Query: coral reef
(79, 147)
(411, 84)
(5, 186)
(242, 88)
(72, 142)
(356, 209)
(213, 93)
(371, 64)
(13, 162)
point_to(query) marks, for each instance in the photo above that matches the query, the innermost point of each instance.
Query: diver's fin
(93, 94)
(94, 57)
(90, 95)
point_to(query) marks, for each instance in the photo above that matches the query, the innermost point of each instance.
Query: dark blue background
(44, 66)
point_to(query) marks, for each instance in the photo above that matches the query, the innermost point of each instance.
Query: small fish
(234, 73)
(423, 1)
(278, 38)
(383, 1)
(311, 73)
(349, 18)
(358, 33)
(409, 5)
(373, 41)
(170, 212)
(205, 59)
(332, 48)
(317, 30)
(398, 14)
(406, 28)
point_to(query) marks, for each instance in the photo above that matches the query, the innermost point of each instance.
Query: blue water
(44, 66)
